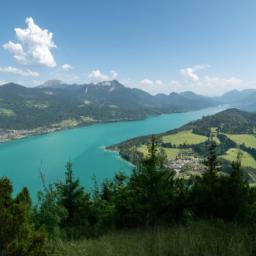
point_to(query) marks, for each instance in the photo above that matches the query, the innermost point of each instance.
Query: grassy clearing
(247, 160)
(198, 239)
(69, 123)
(171, 153)
(248, 139)
(87, 119)
(214, 135)
(7, 112)
(36, 104)
(182, 137)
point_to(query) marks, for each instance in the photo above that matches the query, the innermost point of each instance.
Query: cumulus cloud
(152, 86)
(17, 51)
(205, 85)
(66, 67)
(20, 72)
(147, 82)
(97, 76)
(35, 45)
(211, 86)
(190, 72)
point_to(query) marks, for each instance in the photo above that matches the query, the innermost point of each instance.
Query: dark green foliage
(151, 189)
(212, 162)
(218, 196)
(75, 201)
(17, 234)
(48, 212)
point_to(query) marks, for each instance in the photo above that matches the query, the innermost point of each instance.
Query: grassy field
(171, 153)
(182, 137)
(36, 104)
(6, 112)
(247, 159)
(248, 139)
(198, 239)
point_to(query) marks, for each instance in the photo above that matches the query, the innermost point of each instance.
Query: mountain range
(54, 102)
(245, 99)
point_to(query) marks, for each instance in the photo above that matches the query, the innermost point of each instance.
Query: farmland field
(247, 159)
(182, 137)
(171, 153)
(248, 139)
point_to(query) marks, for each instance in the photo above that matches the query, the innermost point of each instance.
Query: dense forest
(147, 200)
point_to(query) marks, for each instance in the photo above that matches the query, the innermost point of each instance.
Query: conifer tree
(76, 202)
(212, 162)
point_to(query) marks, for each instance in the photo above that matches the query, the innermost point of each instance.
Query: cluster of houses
(190, 164)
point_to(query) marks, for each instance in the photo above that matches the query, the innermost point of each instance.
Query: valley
(56, 105)
(85, 147)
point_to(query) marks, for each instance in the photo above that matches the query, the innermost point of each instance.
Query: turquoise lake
(22, 160)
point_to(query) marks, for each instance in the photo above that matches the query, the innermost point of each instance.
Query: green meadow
(184, 137)
(248, 139)
(247, 159)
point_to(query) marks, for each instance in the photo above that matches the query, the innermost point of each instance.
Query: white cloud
(17, 51)
(113, 74)
(207, 85)
(151, 86)
(97, 76)
(2, 82)
(190, 72)
(232, 81)
(147, 82)
(35, 45)
(211, 86)
(20, 72)
(159, 82)
(66, 67)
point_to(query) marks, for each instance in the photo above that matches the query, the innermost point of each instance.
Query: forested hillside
(56, 104)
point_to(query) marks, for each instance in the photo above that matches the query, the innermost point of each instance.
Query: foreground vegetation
(195, 239)
(149, 212)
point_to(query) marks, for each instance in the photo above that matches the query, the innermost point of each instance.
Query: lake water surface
(22, 160)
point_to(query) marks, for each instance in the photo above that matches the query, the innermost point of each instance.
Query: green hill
(231, 129)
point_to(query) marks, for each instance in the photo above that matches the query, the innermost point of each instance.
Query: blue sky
(159, 46)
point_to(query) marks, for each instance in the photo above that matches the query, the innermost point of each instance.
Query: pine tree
(236, 173)
(238, 189)
(212, 162)
(149, 187)
(76, 202)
